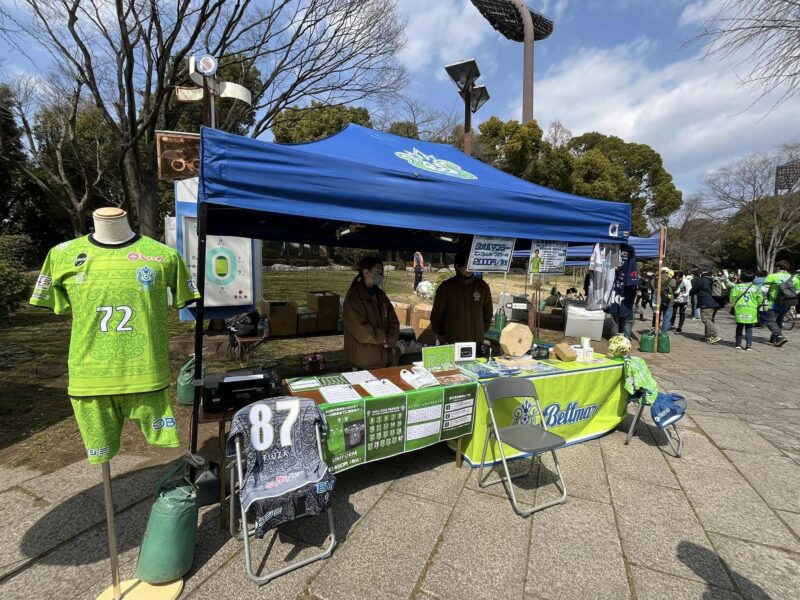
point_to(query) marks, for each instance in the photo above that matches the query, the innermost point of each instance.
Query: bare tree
(429, 123)
(767, 33)
(558, 135)
(692, 236)
(67, 162)
(130, 55)
(746, 187)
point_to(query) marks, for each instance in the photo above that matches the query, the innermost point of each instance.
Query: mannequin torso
(111, 226)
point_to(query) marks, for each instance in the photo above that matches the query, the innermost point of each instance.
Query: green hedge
(14, 286)
(17, 250)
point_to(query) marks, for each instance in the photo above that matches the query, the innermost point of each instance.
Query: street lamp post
(464, 74)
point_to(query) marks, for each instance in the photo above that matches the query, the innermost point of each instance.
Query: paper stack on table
(339, 393)
(381, 387)
(356, 377)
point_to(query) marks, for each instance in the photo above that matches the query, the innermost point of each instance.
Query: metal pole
(111, 529)
(658, 286)
(527, 63)
(467, 121)
(202, 219)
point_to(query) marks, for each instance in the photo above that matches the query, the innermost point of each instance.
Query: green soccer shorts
(100, 419)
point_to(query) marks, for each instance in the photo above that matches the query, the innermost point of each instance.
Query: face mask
(378, 278)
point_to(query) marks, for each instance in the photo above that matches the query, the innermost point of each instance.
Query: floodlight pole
(527, 62)
(467, 95)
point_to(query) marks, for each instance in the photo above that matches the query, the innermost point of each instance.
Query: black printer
(238, 388)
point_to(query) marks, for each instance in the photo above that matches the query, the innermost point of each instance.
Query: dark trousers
(775, 323)
(417, 277)
(679, 308)
(748, 334)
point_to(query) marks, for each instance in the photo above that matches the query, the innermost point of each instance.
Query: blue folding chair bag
(668, 409)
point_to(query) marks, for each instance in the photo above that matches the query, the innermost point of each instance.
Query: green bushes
(14, 286)
(17, 250)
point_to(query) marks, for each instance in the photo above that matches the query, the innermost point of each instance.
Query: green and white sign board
(439, 358)
(361, 431)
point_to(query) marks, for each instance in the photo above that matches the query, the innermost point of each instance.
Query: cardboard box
(326, 305)
(307, 320)
(403, 312)
(282, 318)
(564, 352)
(421, 323)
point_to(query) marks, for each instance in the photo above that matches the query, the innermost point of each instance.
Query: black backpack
(787, 294)
(244, 325)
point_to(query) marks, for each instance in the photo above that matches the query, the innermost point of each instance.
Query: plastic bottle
(266, 327)
(340, 324)
(261, 328)
(500, 319)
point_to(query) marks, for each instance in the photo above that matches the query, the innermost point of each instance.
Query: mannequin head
(111, 225)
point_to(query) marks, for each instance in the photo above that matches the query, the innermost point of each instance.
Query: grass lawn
(36, 424)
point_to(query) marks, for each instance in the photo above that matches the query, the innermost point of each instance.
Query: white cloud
(699, 12)
(553, 9)
(694, 113)
(442, 32)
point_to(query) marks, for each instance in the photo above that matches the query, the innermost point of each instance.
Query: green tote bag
(168, 547)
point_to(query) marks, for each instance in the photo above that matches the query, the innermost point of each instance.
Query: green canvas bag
(168, 546)
(186, 382)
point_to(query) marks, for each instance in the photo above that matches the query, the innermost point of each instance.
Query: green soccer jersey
(746, 299)
(118, 299)
(774, 281)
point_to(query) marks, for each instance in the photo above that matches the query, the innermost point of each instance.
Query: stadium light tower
(517, 22)
(464, 74)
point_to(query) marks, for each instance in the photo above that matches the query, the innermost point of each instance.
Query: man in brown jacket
(462, 308)
(371, 327)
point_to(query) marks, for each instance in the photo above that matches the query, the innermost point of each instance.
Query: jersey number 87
(262, 434)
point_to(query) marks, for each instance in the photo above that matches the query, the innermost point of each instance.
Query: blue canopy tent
(385, 191)
(399, 189)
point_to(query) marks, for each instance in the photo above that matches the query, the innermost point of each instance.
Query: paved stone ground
(723, 522)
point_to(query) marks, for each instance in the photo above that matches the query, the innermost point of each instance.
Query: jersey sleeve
(49, 291)
(184, 289)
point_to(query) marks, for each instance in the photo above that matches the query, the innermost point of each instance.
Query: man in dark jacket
(462, 307)
(701, 287)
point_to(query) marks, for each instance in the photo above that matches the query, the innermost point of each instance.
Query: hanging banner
(548, 257)
(490, 254)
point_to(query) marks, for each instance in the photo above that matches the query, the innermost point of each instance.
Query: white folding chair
(526, 438)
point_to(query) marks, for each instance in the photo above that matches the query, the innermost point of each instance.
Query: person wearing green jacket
(746, 298)
(777, 311)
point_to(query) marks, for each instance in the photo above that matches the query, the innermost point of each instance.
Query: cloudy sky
(621, 67)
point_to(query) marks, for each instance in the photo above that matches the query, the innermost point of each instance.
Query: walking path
(723, 522)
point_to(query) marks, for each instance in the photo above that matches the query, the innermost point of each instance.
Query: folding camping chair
(675, 443)
(247, 532)
(526, 438)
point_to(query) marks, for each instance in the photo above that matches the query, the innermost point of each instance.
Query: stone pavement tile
(231, 581)
(654, 522)
(760, 572)
(11, 476)
(565, 562)
(131, 487)
(79, 477)
(651, 585)
(640, 460)
(783, 435)
(584, 474)
(776, 478)
(215, 547)
(792, 519)
(733, 434)
(81, 568)
(385, 556)
(725, 503)
(525, 487)
(32, 526)
(698, 450)
(355, 494)
(433, 475)
(482, 553)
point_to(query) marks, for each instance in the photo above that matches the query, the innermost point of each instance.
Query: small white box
(584, 323)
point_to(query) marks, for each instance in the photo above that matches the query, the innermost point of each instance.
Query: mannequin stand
(131, 589)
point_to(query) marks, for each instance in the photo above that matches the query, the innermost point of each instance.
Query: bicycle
(789, 319)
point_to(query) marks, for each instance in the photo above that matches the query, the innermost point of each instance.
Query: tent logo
(429, 162)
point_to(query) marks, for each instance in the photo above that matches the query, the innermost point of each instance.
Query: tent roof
(398, 188)
(578, 256)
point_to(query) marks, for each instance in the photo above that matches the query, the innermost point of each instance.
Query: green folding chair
(533, 439)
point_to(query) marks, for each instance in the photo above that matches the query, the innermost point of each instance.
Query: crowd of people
(754, 300)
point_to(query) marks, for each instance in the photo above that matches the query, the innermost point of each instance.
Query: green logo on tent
(430, 163)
